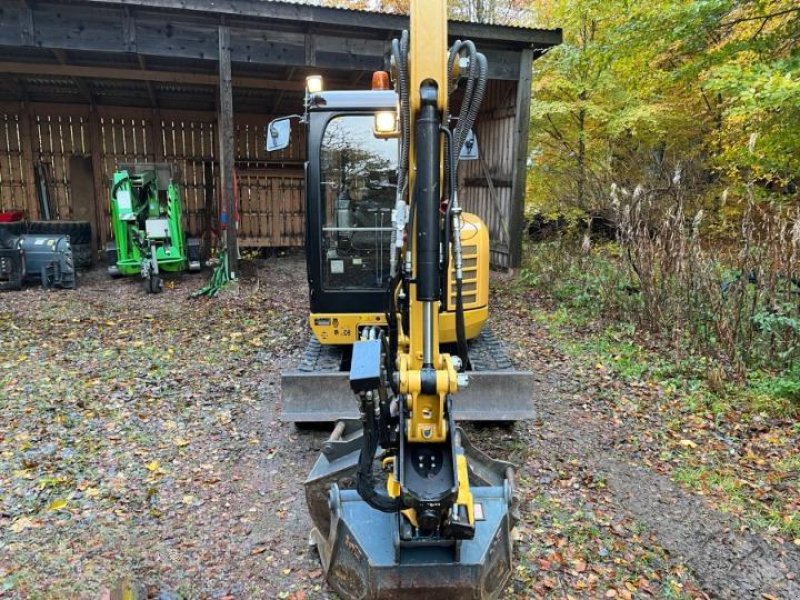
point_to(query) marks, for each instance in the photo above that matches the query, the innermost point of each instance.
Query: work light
(314, 84)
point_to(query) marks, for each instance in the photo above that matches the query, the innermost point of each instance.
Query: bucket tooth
(360, 547)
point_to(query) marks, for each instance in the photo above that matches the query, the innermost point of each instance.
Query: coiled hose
(475, 90)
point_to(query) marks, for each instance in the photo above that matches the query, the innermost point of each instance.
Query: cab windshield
(358, 178)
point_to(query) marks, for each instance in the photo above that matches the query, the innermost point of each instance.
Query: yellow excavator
(402, 504)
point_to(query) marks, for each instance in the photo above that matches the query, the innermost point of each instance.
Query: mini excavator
(402, 504)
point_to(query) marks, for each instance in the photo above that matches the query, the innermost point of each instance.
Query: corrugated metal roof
(317, 14)
(380, 12)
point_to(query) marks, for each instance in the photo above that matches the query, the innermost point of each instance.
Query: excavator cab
(351, 187)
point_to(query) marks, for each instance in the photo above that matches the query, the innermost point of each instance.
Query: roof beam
(60, 70)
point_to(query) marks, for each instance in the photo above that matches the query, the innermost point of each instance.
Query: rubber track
(487, 353)
(319, 358)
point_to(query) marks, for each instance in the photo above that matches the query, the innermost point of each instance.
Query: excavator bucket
(362, 555)
(318, 390)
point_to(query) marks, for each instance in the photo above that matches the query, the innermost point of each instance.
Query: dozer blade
(360, 547)
(318, 391)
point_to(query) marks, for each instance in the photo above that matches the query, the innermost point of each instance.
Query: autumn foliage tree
(639, 89)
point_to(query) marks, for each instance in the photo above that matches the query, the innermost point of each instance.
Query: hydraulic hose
(474, 92)
(400, 55)
(365, 482)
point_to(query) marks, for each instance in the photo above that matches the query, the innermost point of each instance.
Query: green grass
(693, 389)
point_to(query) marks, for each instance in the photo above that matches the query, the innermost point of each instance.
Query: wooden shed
(88, 84)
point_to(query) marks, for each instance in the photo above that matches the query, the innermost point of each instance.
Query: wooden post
(26, 142)
(520, 160)
(208, 178)
(226, 148)
(155, 135)
(100, 197)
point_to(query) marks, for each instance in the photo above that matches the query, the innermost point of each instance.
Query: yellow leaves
(688, 444)
(154, 466)
(91, 492)
(50, 482)
(754, 458)
(24, 473)
(188, 499)
(58, 504)
(775, 440)
(180, 442)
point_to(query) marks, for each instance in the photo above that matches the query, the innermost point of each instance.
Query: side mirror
(278, 134)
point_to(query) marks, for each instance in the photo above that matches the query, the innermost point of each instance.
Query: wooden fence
(59, 148)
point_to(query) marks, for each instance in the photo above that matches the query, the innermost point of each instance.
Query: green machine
(146, 222)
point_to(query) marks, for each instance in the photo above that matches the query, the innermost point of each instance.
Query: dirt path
(140, 442)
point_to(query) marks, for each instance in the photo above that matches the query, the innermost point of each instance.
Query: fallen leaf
(58, 504)
(21, 524)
